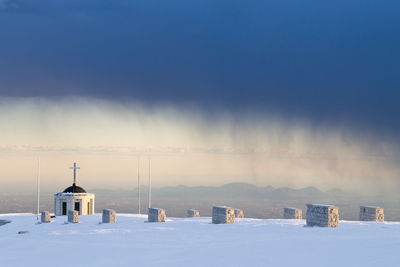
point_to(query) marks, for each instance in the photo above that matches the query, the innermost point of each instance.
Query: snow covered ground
(195, 242)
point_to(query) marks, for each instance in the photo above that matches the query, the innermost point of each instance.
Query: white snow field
(195, 242)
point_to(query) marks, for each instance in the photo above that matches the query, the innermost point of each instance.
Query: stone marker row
(317, 215)
(221, 214)
(109, 216)
(328, 215)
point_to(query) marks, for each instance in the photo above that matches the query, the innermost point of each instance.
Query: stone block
(109, 216)
(322, 215)
(193, 213)
(156, 215)
(292, 213)
(239, 213)
(372, 214)
(45, 217)
(73, 216)
(222, 214)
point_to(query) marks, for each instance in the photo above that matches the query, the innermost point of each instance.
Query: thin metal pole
(138, 186)
(149, 194)
(74, 173)
(38, 190)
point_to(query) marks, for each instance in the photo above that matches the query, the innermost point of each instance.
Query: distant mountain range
(232, 190)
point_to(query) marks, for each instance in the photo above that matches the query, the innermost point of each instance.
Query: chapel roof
(74, 189)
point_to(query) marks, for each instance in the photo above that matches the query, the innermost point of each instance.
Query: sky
(287, 93)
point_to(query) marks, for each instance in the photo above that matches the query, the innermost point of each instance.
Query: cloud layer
(187, 147)
(328, 62)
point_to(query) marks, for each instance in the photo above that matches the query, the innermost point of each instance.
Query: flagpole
(138, 185)
(38, 190)
(149, 194)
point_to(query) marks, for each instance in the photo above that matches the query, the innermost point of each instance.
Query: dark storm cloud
(327, 61)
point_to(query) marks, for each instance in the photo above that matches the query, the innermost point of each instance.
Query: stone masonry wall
(371, 213)
(322, 215)
(45, 217)
(109, 216)
(222, 214)
(292, 213)
(193, 213)
(73, 216)
(156, 215)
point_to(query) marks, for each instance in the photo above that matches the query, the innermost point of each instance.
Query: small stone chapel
(74, 198)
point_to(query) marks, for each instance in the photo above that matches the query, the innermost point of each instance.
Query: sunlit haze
(186, 146)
